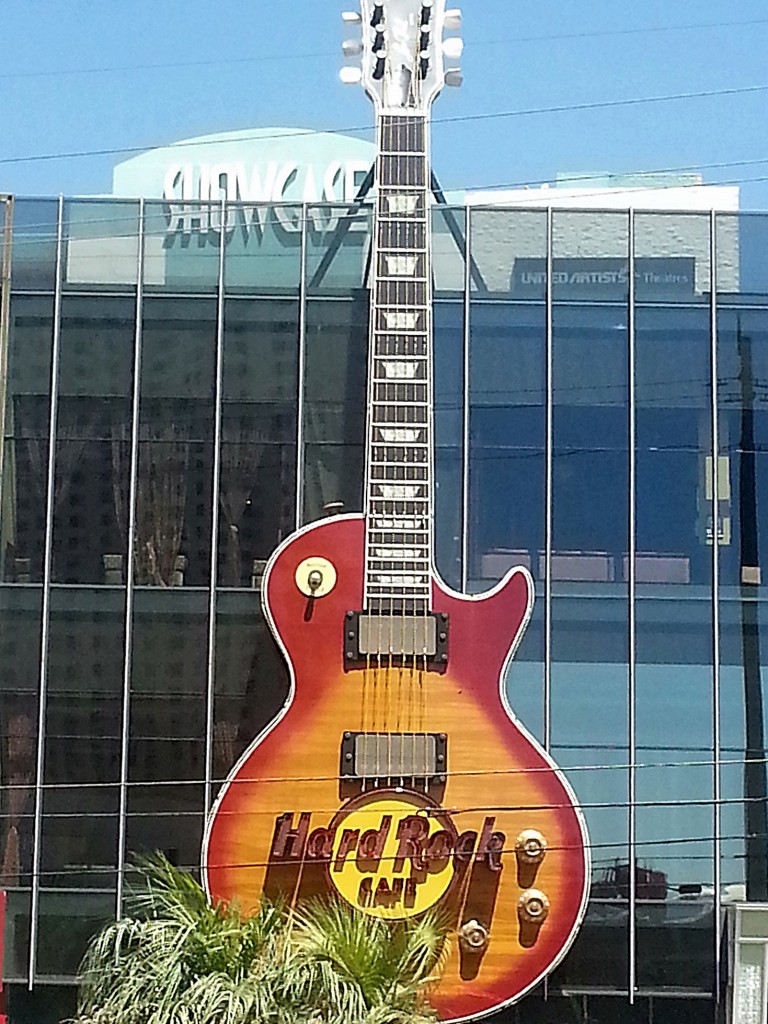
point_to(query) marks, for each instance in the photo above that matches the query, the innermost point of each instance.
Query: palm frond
(178, 959)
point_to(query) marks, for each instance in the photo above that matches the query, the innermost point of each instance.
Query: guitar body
(293, 820)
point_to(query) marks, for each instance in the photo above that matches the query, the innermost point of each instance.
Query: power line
(457, 119)
(273, 58)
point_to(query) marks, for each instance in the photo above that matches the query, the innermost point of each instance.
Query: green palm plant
(177, 959)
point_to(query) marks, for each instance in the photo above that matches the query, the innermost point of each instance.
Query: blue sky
(90, 76)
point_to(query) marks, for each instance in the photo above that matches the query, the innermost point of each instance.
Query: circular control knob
(533, 907)
(530, 846)
(315, 577)
(473, 936)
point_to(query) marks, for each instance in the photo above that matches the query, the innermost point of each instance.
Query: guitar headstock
(406, 54)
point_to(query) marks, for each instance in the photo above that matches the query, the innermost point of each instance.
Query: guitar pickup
(380, 638)
(381, 759)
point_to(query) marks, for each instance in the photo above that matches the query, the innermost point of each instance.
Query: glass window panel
(263, 247)
(589, 260)
(509, 253)
(448, 242)
(525, 676)
(25, 440)
(675, 751)
(507, 427)
(20, 620)
(674, 441)
(257, 488)
(334, 409)
(181, 246)
(173, 515)
(333, 479)
(448, 515)
(338, 249)
(16, 939)
(166, 767)
(35, 229)
(83, 738)
(742, 270)
(683, 1011)
(101, 244)
(67, 922)
(590, 443)
(590, 733)
(251, 679)
(93, 440)
(744, 727)
(743, 417)
(672, 257)
(448, 344)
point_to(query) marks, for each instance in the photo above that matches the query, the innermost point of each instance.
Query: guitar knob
(530, 847)
(533, 907)
(473, 937)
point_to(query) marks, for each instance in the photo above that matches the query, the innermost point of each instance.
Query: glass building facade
(173, 406)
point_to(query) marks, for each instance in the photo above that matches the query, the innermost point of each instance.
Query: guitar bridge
(382, 760)
(380, 638)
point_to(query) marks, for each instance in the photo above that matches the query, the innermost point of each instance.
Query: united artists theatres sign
(604, 277)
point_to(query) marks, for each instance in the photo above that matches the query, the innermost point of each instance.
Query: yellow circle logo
(392, 854)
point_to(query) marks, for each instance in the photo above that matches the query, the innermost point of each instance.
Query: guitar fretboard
(399, 492)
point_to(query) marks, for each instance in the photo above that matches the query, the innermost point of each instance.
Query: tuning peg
(351, 76)
(454, 78)
(453, 47)
(452, 19)
(351, 17)
(352, 47)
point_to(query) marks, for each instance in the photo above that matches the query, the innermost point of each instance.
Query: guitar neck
(399, 458)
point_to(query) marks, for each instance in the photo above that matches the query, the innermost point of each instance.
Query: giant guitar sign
(397, 776)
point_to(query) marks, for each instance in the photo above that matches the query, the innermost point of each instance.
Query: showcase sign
(605, 277)
(254, 190)
(265, 175)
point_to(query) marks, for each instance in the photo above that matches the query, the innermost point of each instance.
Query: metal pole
(130, 570)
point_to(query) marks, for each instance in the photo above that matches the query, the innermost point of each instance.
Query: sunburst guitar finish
(396, 777)
(468, 814)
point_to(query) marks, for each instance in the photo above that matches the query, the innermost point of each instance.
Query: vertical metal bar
(6, 251)
(548, 483)
(216, 485)
(466, 396)
(130, 569)
(302, 370)
(632, 625)
(46, 605)
(716, 734)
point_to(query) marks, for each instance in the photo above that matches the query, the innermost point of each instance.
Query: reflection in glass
(338, 248)
(20, 622)
(67, 922)
(334, 404)
(101, 239)
(507, 424)
(675, 751)
(674, 443)
(257, 479)
(25, 440)
(166, 768)
(173, 507)
(672, 257)
(509, 250)
(82, 738)
(251, 679)
(35, 229)
(742, 270)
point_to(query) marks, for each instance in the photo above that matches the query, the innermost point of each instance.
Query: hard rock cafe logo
(391, 853)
